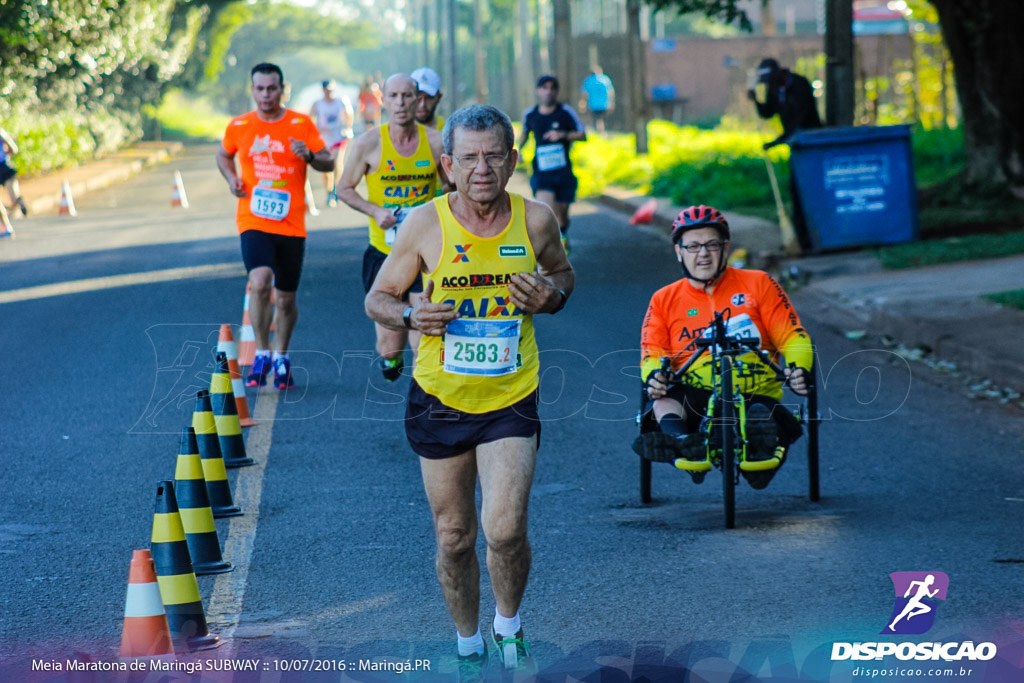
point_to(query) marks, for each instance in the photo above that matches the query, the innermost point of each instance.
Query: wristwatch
(407, 317)
(311, 156)
(561, 304)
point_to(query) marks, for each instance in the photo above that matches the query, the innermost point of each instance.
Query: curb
(43, 193)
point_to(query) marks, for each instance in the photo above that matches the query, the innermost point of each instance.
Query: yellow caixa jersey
(487, 360)
(400, 183)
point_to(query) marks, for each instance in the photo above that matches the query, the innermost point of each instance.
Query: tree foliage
(247, 34)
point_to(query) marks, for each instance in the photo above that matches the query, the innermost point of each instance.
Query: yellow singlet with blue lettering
(400, 183)
(487, 360)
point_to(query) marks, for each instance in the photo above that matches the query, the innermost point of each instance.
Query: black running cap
(545, 79)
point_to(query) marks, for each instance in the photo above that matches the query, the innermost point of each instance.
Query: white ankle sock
(506, 626)
(472, 645)
(278, 354)
(265, 353)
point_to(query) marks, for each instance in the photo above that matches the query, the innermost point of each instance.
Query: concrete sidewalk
(42, 192)
(934, 313)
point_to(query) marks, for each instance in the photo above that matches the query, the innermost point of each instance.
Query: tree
(988, 63)
(247, 34)
(982, 37)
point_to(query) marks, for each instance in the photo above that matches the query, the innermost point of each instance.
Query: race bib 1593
(270, 203)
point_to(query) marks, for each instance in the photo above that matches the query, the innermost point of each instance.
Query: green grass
(1013, 298)
(950, 250)
(183, 116)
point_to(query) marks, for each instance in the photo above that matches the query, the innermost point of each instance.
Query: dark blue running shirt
(551, 158)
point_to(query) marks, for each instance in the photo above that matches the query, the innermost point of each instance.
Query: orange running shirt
(754, 304)
(274, 178)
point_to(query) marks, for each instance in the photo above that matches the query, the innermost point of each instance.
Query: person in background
(791, 97)
(429, 84)
(597, 97)
(333, 116)
(8, 174)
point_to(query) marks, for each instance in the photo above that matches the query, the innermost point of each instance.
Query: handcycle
(724, 424)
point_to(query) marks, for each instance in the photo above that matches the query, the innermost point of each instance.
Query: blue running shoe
(283, 374)
(258, 372)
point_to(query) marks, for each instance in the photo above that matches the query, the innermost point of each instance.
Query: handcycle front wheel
(726, 429)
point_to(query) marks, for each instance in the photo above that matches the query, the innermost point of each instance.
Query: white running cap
(427, 80)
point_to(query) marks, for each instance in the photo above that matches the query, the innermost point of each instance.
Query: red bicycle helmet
(699, 217)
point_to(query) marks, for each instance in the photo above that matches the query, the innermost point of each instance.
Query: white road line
(111, 281)
(225, 607)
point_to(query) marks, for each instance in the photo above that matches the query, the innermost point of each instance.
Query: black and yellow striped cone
(217, 487)
(179, 589)
(194, 507)
(225, 415)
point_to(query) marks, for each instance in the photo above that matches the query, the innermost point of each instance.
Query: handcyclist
(401, 163)
(755, 306)
(555, 126)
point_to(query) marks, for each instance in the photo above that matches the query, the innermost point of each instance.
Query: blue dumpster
(856, 185)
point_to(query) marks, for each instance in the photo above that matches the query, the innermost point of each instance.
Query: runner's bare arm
(384, 302)
(547, 290)
(12, 147)
(226, 164)
(357, 164)
(523, 137)
(322, 161)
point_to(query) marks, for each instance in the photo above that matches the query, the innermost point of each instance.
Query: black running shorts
(6, 172)
(695, 407)
(436, 431)
(373, 259)
(562, 185)
(281, 253)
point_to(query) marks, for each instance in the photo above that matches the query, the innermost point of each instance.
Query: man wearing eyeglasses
(755, 307)
(490, 261)
(554, 126)
(399, 160)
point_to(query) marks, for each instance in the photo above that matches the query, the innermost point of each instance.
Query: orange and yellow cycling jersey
(274, 177)
(755, 306)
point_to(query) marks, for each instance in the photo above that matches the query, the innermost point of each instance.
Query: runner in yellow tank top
(492, 261)
(488, 357)
(400, 163)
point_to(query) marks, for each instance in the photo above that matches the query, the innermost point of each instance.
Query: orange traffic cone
(145, 633)
(6, 229)
(67, 202)
(214, 472)
(226, 343)
(225, 416)
(179, 589)
(194, 505)
(645, 213)
(247, 341)
(178, 196)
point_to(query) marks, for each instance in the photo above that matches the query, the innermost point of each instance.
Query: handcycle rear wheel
(726, 429)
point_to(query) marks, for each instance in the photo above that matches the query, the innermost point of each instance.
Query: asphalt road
(334, 556)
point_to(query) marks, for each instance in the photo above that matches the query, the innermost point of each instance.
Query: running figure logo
(917, 596)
